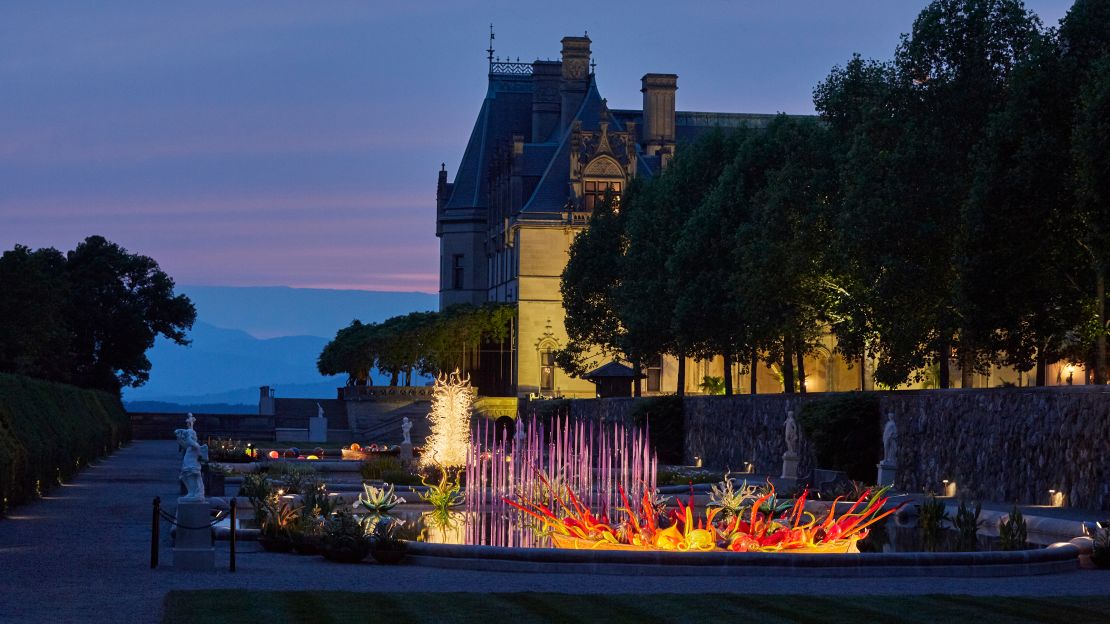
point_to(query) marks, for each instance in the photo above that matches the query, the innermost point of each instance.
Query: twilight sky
(297, 143)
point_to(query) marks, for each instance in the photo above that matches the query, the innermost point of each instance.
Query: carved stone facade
(544, 150)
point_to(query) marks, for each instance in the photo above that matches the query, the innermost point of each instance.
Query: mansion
(544, 149)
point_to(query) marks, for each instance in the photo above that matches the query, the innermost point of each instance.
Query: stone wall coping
(1082, 389)
(1057, 558)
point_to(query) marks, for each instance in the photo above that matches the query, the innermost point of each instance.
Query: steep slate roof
(507, 110)
(551, 192)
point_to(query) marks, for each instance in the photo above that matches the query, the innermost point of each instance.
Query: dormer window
(594, 193)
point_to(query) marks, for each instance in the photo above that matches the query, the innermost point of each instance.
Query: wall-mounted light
(697, 461)
(749, 467)
(949, 488)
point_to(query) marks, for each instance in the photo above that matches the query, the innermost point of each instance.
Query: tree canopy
(948, 204)
(420, 342)
(87, 317)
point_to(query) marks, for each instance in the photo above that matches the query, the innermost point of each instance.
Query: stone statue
(791, 433)
(406, 427)
(190, 464)
(190, 420)
(319, 411)
(890, 441)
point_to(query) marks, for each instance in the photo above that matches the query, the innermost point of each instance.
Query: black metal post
(233, 530)
(154, 526)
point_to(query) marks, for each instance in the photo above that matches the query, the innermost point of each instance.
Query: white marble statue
(791, 433)
(406, 427)
(195, 452)
(319, 411)
(890, 441)
(189, 420)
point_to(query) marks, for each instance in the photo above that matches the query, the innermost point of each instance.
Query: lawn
(216, 606)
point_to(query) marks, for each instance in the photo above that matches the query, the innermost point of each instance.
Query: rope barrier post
(154, 526)
(233, 531)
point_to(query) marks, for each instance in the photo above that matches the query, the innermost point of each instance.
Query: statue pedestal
(406, 452)
(192, 547)
(888, 473)
(789, 479)
(317, 429)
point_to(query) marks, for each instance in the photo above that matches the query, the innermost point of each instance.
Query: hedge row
(48, 431)
(845, 432)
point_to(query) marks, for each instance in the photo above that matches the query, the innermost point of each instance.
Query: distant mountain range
(274, 311)
(249, 337)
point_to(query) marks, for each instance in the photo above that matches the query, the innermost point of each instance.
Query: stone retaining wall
(997, 444)
(160, 426)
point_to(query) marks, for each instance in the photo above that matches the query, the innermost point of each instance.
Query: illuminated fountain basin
(896, 545)
(598, 460)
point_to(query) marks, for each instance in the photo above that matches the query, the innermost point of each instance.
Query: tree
(1017, 291)
(420, 342)
(858, 103)
(34, 336)
(707, 316)
(958, 59)
(587, 285)
(351, 352)
(117, 304)
(780, 251)
(657, 214)
(1092, 159)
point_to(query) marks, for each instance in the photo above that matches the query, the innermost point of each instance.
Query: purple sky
(297, 143)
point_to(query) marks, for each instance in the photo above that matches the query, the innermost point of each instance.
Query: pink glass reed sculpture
(593, 459)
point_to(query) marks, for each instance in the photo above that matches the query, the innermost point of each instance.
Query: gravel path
(82, 555)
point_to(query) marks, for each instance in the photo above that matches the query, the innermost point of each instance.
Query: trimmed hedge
(845, 434)
(48, 431)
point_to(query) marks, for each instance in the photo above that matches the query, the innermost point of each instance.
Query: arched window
(602, 175)
(547, 368)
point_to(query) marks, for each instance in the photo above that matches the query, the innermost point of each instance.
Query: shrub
(845, 433)
(228, 451)
(1100, 550)
(48, 431)
(663, 417)
(256, 487)
(547, 408)
(401, 477)
(291, 478)
(1013, 531)
(373, 468)
(932, 517)
(967, 525)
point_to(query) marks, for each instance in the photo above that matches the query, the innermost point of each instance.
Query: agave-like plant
(730, 499)
(1013, 531)
(378, 500)
(1100, 552)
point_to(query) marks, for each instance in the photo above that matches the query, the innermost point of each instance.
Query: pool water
(889, 535)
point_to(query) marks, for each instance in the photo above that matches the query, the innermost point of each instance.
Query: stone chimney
(576, 77)
(546, 79)
(266, 401)
(657, 135)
